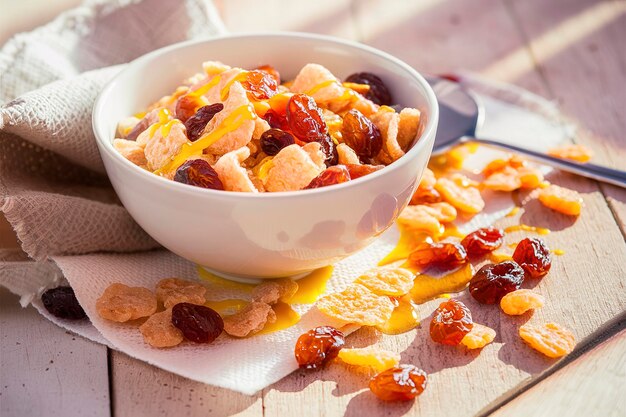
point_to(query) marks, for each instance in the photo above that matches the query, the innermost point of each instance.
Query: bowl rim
(106, 144)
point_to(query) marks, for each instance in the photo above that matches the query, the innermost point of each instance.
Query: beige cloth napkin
(68, 219)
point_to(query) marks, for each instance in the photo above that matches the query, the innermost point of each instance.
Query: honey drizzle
(320, 86)
(164, 123)
(226, 307)
(311, 286)
(527, 228)
(513, 211)
(558, 252)
(231, 123)
(226, 89)
(285, 318)
(426, 287)
(404, 318)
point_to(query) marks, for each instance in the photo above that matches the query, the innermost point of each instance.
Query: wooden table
(572, 51)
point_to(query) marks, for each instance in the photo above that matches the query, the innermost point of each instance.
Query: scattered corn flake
(122, 303)
(347, 155)
(318, 82)
(520, 301)
(272, 291)
(131, 151)
(250, 320)
(171, 291)
(530, 177)
(561, 199)
(419, 217)
(212, 68)
(387, 281)
(479, 337)
(158, 331)
(356, 304)
(378, 359)
(551, 339)
(428, 179)
(505, 179)
(466, 199)
(442, 211)
(578, 153)
(234, 177)
(495, 166)
(292, 169)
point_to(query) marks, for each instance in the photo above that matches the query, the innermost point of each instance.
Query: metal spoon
(460, 115)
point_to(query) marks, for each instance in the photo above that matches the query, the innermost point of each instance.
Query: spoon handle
(596, 172)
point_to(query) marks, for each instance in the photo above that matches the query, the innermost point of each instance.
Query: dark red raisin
(358, 171)
(61, 302)
(378, 91)
(318, 346)
(482, 241)
(305, 118)
(329, 149)
(359, 133)
(437, 258)
(276, 120)
(330, 176)
(533, 256)
(198, 323)
(492, 282)
(195, 124)
(138, 129)
(273, 140)
(199, 173)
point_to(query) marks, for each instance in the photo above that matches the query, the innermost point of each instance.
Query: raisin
(273, 140)
(330, 176)
(271, 71)
(329, 149)
(533, 256)
(195, 124)
(358, 171)
(318, 346)
(260, 85)
(378, 91)
(198, 323)
(492, 282)
(276, 120)
(359, 133)
(186, 107)
(138, 129)
(199, 173)
(400, 383)
(437, 258)
(451, 322)
(305, 118)
(482, 241)
(61, 302)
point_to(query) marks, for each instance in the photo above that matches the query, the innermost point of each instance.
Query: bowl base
(248, 280)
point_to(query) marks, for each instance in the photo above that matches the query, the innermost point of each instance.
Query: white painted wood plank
(46, 371)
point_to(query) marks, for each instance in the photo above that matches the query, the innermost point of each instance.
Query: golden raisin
(465, 198)
(550, 339)
(451, 321)
(401, 383)
(318, 346)
(479, 337)
(520, 301)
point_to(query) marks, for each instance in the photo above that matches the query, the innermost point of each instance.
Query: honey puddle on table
(310, 287)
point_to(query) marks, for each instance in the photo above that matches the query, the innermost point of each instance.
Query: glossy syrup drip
(426, 287)
(513, 211)
(312, 286)
(164, 123)
(285, 318)
(558, 252)
(404, 318)
(231, 123)
(226, 307)
(242, 76)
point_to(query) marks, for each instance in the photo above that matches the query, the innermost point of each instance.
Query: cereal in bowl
(242, 130)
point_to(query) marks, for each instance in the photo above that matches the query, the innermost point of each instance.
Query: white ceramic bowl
(270, 234)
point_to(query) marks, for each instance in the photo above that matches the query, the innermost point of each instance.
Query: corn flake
(356, 304)
(466, 199)
(561, 199)
(479, 337)
(520, 301)
(578, 153)
(387, 281)
(551, 339)
(378, 359)
(250, 320)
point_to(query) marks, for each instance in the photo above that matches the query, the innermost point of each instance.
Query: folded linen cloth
(72, 227)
